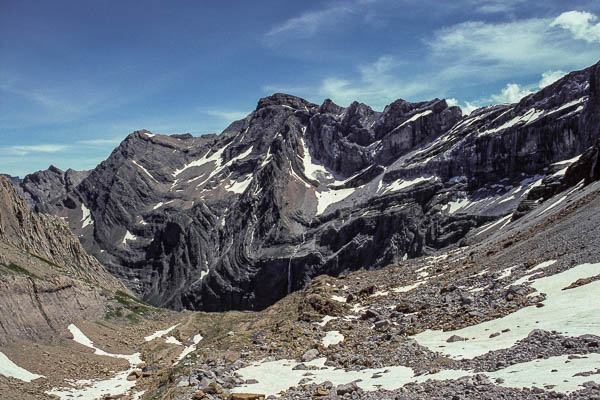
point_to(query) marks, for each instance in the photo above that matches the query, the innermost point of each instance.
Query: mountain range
(296, 190)
(413, 253)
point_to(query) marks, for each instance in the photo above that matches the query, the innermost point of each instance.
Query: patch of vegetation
(125, 298)
(158, 394)
(19, 270)
(113, 314)
(133, 318)
(137, 307)
(45, 260)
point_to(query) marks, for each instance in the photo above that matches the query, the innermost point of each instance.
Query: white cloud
(309, 23)
(41, 148)
(467, 108)
(377, 84)
(549, 77)
(227, 115)
(496, 50)
(467, 55)
(452, 102)
(27, 149)
(100, 142)
(581, 24)
(512, 93)
(496, 6)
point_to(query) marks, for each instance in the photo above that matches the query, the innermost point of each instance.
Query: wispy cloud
(27, 149)
(532, 44)
(101, 142)
(496, 6)
(581, 24)
(309, 23)
(226, 115)
(378, 84)
(42, 148)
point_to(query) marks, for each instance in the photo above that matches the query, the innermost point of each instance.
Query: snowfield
(557, 314)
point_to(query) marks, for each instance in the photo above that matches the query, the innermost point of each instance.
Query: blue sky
(77, 76)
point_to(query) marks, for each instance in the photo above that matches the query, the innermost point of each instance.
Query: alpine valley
(316, 251)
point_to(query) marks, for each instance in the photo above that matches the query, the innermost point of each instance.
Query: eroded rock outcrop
(46, 278)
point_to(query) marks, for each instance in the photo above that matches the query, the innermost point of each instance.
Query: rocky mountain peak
(329, 107)
(282, 99)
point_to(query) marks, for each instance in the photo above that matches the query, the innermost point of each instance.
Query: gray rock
(310, 355)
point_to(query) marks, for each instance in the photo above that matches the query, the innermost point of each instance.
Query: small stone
(246, 396)
(455, 338)
(382, 324)
(310, 355)
(347, 388)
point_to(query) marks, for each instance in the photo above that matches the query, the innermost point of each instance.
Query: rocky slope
(295, 190)
(46, 277)
(511, 315)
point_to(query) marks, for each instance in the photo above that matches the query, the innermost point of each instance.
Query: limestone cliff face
(295, 190)
(46, 278)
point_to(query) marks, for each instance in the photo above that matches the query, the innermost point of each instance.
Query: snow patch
(455, 205)
(412, 119)
(329, 197)
(325, 320)
(530, 116)
(195, 340)
(128, 236)
(12, 370)
(557, 314)
(404, 289)
(215, 157)
(555, 203)
(173, 340)
(313, 168)
(240, 186)
(158, 334)
(380, 293)
(493, 224)
(89, 389)
(402, 184)
(80, 338)
(86, 218)
(537, 268)
(145, 170)
(339, 298)
(332, 338)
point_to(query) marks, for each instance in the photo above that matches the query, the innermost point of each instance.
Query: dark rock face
(43, 186)
(295, 190)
